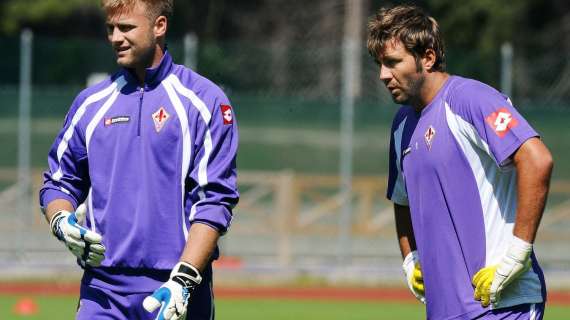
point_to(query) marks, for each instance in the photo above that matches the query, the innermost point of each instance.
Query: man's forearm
(404, 229)
(201, 243)
(57, 205)
(534, 165)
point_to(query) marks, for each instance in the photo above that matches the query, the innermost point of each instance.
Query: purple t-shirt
(451, 164)
(148, 161)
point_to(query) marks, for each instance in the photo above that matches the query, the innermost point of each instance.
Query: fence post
(350, 87)
(191, 51)
(507, 69)
(285, 207)
(25, 97)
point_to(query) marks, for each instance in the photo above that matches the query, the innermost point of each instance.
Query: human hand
(490, 281)
(174, 294)
(83, 243)
(414, 277)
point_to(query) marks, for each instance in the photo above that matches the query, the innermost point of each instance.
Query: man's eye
(390, 63)
(126, 28)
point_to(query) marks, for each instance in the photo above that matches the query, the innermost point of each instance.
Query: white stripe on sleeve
(206, 117)
(120, 83)
(62, 147)
(186, 143)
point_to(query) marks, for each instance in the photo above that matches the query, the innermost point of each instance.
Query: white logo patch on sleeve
(501, 121)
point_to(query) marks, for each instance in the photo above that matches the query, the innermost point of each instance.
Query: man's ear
(428, 59)
(160, 26)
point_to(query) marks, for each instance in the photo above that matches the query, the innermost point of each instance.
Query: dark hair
(412, 26)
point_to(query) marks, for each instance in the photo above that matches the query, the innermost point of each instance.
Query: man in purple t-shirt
(468, 177)
(147, 158)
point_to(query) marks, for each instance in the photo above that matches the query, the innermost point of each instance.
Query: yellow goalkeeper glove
(490, 281)
(414, 277)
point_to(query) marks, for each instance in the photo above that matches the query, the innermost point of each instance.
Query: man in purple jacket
(151, 151)
(468, 177)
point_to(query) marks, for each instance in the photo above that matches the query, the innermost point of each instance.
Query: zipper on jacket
(140, 111)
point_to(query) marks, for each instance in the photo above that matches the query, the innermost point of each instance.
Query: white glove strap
(410, 262)
(519, 249)
(187, 274)
(55, 220)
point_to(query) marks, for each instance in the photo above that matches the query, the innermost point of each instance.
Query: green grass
(247, 309)
(63, 307)
(300, 310)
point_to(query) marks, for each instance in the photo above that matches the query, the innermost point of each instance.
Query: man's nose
(385, 74)
(116, 36)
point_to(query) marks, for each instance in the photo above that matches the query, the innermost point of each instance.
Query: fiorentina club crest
(227, 114)
(160, 117)
(501, 121)
(429, 135)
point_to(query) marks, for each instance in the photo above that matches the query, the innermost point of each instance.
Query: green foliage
(18, 12)
(480, 25)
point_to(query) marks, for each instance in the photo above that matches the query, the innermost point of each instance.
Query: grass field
(246, 309)
(63, 307)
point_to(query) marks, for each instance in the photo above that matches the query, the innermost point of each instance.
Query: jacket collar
(153, 76)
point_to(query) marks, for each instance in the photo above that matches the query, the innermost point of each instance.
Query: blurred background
(314, 122)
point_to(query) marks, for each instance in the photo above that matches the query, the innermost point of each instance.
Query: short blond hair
(155, 8)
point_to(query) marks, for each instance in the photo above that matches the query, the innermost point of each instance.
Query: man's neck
(433, 82)
(154, 61)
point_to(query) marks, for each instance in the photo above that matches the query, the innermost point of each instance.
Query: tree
(49, 14)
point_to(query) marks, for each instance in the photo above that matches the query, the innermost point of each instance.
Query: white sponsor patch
(114, 120)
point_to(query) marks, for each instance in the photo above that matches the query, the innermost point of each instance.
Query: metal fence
(290, 115)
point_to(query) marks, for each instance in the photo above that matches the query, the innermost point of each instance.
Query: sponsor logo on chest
(159, 117)
(115, 120)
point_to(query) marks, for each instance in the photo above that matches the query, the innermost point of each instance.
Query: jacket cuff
(49, 195)
(217, 216)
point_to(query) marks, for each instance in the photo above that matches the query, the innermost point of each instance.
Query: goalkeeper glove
(174, 294)
(83, 243)
(414, 277)
(490, 281)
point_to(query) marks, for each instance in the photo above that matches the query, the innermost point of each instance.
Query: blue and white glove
(174, 294)
(490, 281)
(83, 243)
(414, 277)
